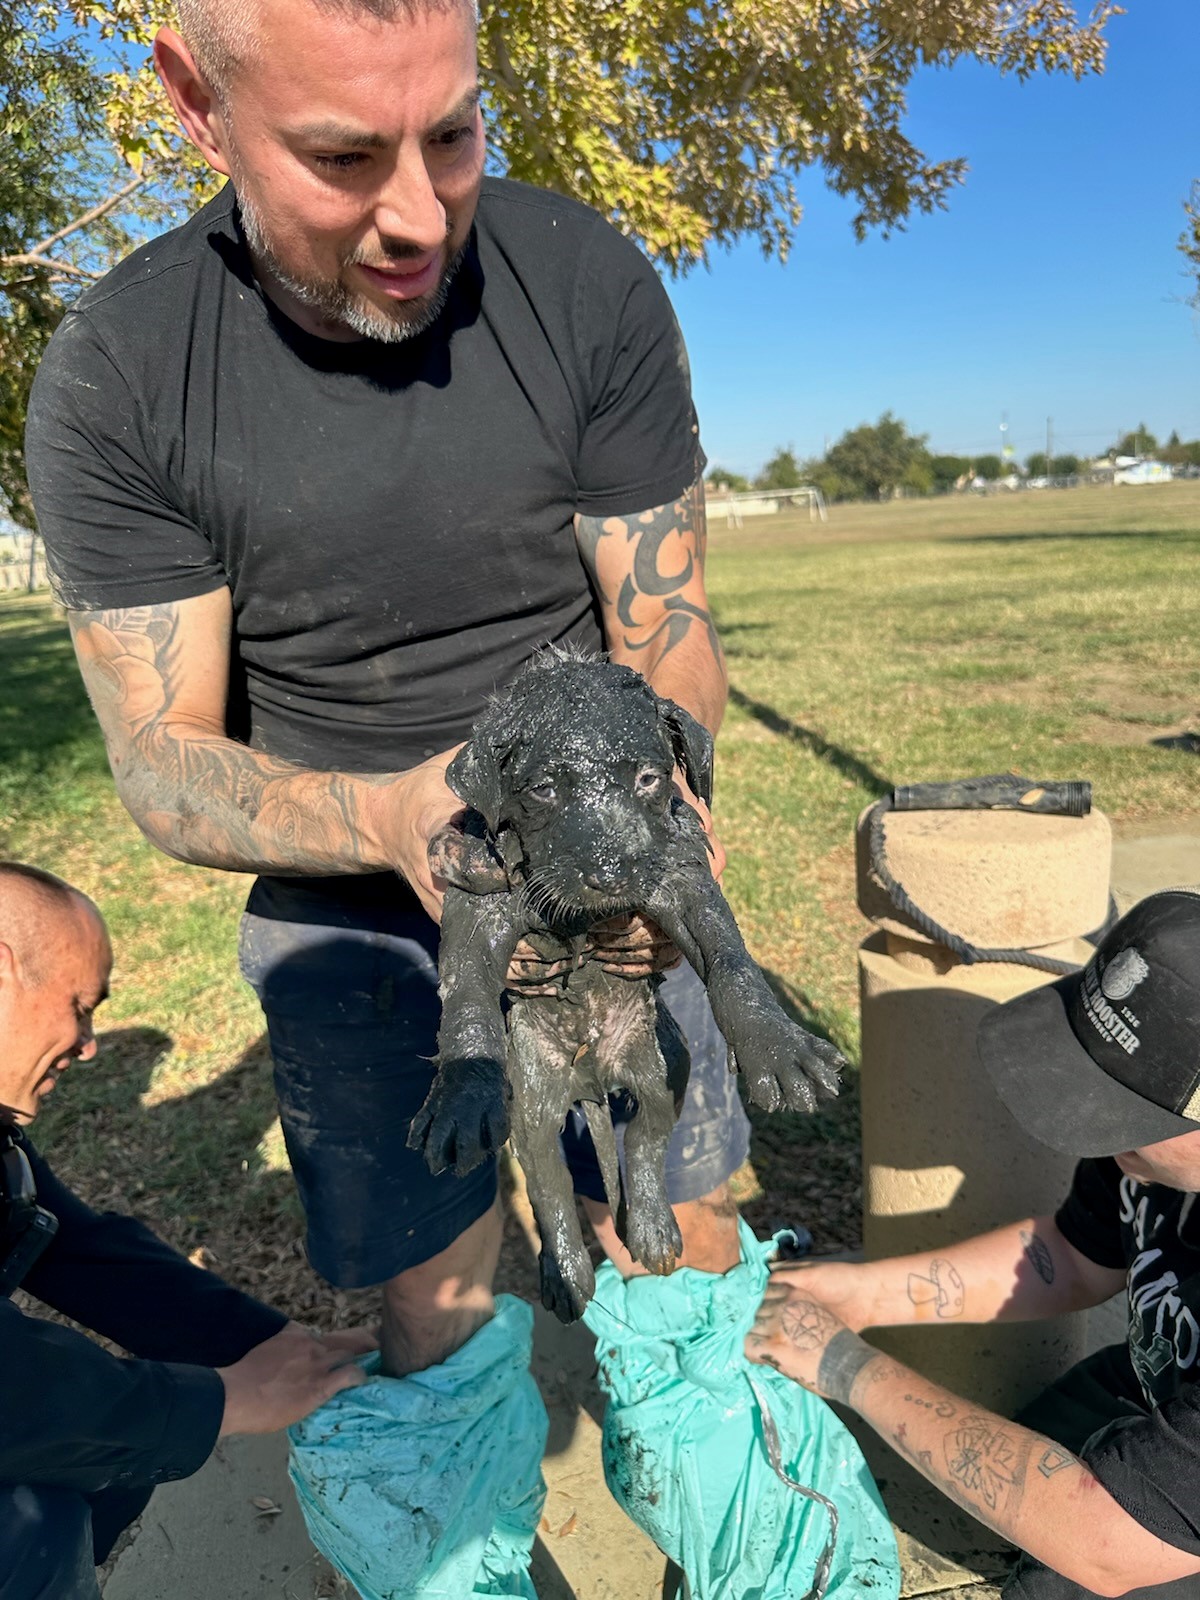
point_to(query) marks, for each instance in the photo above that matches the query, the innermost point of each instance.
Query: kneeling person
(1099, 1483)
(86, 1436)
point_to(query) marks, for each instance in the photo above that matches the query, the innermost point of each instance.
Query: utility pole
(1049, 444)
(32, 561)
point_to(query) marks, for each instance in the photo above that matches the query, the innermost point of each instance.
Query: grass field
(1053, 633)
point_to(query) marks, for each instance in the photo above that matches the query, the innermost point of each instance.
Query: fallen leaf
(568, 1526)
(266, 1507)
(544, 1524)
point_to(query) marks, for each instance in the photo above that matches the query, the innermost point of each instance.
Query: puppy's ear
(475, 776)
(692, 747)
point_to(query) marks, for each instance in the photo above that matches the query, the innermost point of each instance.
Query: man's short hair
(223, 34)
(28, 895)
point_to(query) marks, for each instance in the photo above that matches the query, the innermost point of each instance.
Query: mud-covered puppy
(573, 818)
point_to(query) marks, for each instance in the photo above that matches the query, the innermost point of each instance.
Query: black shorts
(349, 990)
(1096, 1392)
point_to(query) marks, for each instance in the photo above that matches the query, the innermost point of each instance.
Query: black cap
(1109, 1058)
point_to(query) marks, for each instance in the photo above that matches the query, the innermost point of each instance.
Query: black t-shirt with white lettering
(394, 521)
(1150, 1464)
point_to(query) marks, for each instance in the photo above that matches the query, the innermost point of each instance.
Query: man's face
(356, 147)
(47, 1024)
(1175, 1162)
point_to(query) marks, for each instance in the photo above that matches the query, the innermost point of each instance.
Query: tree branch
(87, 218)
(62, 269)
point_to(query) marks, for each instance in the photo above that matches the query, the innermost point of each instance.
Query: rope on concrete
(967, 953)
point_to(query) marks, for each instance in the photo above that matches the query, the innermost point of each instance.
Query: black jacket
(76, 1417)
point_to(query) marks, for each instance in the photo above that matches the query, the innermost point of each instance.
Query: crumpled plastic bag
(690, 1433)
(430, 1487)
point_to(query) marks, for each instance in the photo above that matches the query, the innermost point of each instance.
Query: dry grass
(1053, 633)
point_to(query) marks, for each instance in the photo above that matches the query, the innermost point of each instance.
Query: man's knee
(46, 1545)
(432, 1309)
(708, 1227)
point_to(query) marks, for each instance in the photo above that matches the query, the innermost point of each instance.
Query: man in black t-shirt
(1098, 1483)
(318, 471)
(85, 1436)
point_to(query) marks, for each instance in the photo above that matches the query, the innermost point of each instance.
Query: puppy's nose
(604, 882)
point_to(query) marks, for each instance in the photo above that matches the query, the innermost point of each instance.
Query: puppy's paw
(567, 1285)
(465, 1116)
(786, 1068)
(652, 1235)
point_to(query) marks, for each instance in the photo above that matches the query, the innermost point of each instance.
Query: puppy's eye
(542, 792)
(648, 781)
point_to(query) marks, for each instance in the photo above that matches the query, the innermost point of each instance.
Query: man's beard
(334, 302)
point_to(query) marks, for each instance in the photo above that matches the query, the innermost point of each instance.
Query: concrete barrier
(942, 1158)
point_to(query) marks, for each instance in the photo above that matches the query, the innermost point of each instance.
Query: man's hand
(846, 1288)
(716, 849)
(793, 1332)
(286, 1377)
(412, 812)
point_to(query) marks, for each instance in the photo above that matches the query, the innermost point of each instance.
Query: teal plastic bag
(747, 1481)
(430, 1487)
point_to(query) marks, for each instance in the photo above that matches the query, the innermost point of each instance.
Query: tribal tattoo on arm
(648, 572)
(156, 676)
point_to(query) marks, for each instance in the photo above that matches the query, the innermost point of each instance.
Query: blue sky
(1051, 286)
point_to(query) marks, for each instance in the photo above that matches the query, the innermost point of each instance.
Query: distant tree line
(877, 461)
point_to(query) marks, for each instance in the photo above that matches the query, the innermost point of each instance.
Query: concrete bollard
(942, 1158)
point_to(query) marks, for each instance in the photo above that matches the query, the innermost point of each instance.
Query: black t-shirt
(394, 521)
(1150, 1465)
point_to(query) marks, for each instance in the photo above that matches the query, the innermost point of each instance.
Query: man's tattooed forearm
(940, 1408)
(1037, 1253)
(987, 1461)
(940, 1287)
(843, 1363)
(1053, 1459)
(984, 1462)
(196, 794)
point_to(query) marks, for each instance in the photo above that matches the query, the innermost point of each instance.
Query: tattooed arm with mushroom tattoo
(1019, 1273)
(1030, 1490)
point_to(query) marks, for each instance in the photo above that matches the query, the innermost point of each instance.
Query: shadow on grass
(192, 1165)
(1081, 535)
(843, 761)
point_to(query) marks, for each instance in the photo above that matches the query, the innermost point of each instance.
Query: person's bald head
(39, 913)
(224, 35)
(55, 961)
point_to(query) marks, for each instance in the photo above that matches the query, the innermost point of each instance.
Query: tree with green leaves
(1180, 453)
(722, 478)
(687, 121)
(876, 460)
(990, 468)
(1139, 442)
(948, 471)
(782, 471)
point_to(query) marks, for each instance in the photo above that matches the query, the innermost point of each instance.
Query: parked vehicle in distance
(1145, 472)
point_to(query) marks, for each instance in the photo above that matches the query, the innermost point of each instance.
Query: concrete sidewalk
(234, 1532)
